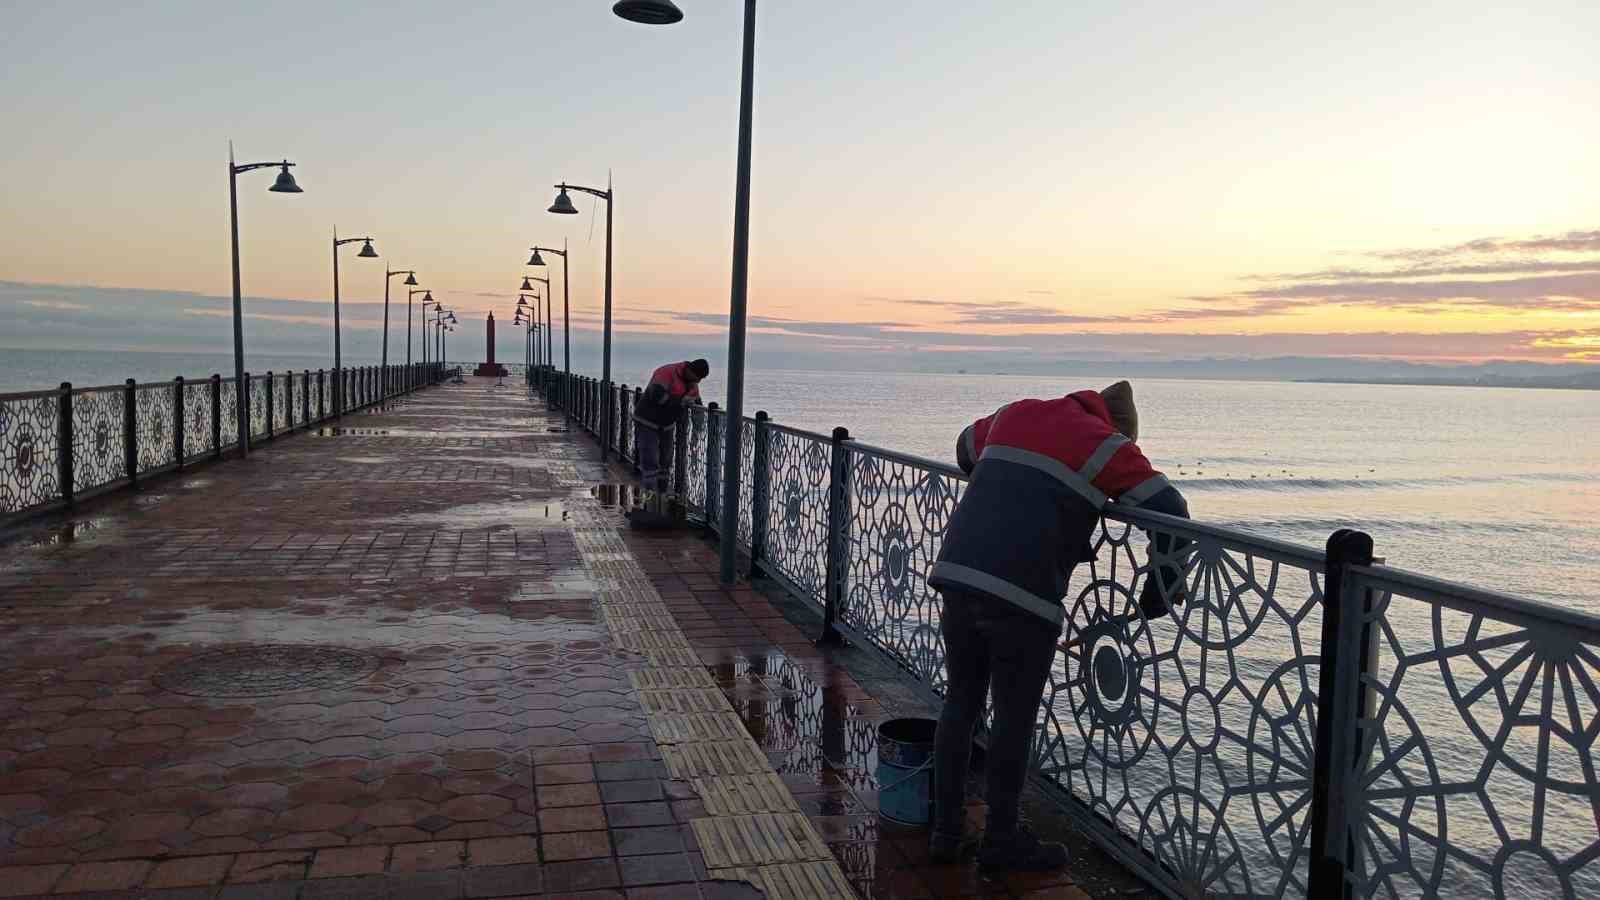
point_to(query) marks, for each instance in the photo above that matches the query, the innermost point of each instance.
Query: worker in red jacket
(657, 413)
(1041, 471)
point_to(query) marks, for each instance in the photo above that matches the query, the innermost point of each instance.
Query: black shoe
(1020, 851)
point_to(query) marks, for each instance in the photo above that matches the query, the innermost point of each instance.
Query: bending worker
(657, 413)
(1041, 472)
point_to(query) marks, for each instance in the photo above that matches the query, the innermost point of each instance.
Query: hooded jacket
(1042, 471)
(663, 400)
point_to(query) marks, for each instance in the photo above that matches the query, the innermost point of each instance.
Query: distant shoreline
(1528, 384)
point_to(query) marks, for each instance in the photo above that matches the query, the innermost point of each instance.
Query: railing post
(130, 431)
(64, 441)
(216, 416)
(680, 455)
(322, 407)
(178, 419)
(271, 413)
(760, 490)
(244, 408)
(713, 452)
(1344, 652)
(305, 399)
(838, 538)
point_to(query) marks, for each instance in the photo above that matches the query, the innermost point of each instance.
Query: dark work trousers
(989, 645)
(652, 475)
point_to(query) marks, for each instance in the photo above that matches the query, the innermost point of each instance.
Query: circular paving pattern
(266, 670)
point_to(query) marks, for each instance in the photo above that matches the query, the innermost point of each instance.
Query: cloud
(1569, 242)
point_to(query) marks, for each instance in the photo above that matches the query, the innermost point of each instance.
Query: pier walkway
(419, 656)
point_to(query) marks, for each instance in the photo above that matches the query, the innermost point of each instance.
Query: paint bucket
(905, 770)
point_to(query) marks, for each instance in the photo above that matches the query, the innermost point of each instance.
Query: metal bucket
(905, 770)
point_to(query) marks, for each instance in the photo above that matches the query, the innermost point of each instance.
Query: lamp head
(536, 259)
(367, 251)
(427, 296)
(648, 12)
(522, 303)
(526, 286)
(411, 278)
(285, 183)
(563, 205)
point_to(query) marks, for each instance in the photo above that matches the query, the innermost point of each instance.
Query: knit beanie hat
(1124, 415)
(700, 368)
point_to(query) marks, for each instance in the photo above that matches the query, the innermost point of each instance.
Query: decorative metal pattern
(695, 460)
(797, 530)
(258, 406)
(197, 418)
(297, 398)
(29, 429)
(899, 511)
(230, 413)
(1476, 747)
(97, 437)
(282, 393)
(747, 474)
(157, 446)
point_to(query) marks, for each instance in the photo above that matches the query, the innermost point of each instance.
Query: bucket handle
(909, 775)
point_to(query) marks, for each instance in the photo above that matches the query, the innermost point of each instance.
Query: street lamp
(411, 279)
(426, 299)
(549, 312)
(563, 206)
(664, 12)
(527, 338)
(566, 320)
(533, 326)
(285, 184)
(369, 253)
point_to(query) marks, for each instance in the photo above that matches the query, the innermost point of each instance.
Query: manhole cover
(264, 671)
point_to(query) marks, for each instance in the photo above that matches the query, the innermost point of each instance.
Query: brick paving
(418, 656)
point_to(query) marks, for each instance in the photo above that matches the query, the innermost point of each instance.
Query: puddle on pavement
(194, 484)
(349, 432)
(503, 513)
(148, 501)
(69, 532)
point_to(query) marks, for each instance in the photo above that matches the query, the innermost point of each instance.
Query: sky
(1111, 181)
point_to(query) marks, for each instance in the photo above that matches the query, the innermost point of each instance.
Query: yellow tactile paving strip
(754, 831)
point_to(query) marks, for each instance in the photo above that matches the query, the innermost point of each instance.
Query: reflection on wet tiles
(69, 532)
(501, 515)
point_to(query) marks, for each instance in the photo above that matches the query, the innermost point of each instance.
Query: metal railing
(1408, 737)
(60, 446)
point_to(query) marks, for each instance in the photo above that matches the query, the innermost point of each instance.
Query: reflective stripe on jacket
(1041, 472)
(661, 404)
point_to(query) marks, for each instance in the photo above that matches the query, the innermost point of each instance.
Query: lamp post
(527, 337)
(566, 320)
(549, 312)
(665, 12)
(284, 184)
(411, 279)
(533, 324)
(338, 362)
(427, 297)
(563, 206)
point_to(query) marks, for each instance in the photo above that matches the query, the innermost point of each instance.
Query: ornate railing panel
(282, 393)
(695, 461)
(747, 473)
(258, 406)
(1476, 744)
(29, 440)
(899, 509)
(156, 426)
(230, 413)
(797, 526)
(196, 419)
(98, 439)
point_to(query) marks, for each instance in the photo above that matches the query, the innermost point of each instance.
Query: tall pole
(605, 364)
(736, 313)
(549, 337)
(338, 364)
(566, 328)
(385, 356)
(240, 388)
